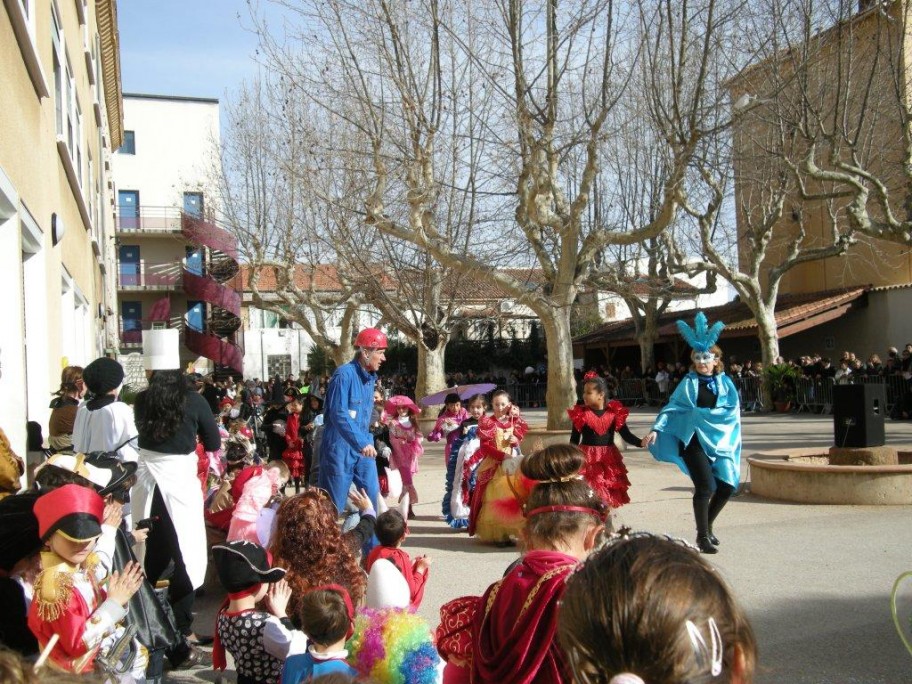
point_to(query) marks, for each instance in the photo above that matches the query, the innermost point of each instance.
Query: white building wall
(262, 343)
(176, 146)
(264, 338)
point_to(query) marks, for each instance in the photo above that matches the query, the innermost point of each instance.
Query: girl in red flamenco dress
(594, 424)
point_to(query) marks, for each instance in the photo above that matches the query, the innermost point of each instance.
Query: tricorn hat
(242, 564)
(73, 510)
(107, 473)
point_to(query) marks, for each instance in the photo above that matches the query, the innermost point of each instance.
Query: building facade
(60, 119)
(174, 264)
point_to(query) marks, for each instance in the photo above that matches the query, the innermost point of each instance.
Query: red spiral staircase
(219, 340)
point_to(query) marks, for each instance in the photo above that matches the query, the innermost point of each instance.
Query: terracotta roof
(325, 278)
(794, 313)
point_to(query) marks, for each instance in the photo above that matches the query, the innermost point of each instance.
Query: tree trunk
(769, 345)
(561, 383)
(431, 377)
(342, 353)
(647, 340)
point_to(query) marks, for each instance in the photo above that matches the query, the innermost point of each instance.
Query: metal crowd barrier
(528, 395)
(750, 391)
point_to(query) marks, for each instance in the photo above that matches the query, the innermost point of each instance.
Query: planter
(782, 406)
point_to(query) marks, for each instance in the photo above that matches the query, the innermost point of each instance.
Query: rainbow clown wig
(393, 646)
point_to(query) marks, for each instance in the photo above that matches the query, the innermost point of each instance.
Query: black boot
(701, 516)
(719, 498)
(705, 545)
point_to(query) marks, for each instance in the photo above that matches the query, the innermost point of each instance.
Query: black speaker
(858, 415)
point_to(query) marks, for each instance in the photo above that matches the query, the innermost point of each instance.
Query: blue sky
(195, 48)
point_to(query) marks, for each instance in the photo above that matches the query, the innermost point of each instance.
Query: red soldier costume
(69, 601)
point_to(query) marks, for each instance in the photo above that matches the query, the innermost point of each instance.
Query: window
(278, 364)
(68, 105)
(76, 150)
(193, 203)
(129, 143)
(59, 60)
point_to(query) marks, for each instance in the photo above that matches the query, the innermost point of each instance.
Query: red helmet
(371, 338)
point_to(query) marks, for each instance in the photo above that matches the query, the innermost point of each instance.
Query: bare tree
(756, 235)
(405, 116)
(281, 229)
(836, 82)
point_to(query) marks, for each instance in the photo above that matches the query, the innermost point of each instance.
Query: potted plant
(781, 380)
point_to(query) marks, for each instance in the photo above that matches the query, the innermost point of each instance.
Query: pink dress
(407, 448)
(258, 490)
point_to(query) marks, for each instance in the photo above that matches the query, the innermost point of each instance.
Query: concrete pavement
(814, 580)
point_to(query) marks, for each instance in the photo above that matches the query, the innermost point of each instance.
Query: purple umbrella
(464, 392)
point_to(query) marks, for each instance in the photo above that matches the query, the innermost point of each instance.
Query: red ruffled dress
(593, 432)
(294, 449)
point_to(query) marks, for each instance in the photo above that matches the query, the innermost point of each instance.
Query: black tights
(161, 548)
(710, 493)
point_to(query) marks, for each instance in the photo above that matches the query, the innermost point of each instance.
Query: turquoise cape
(718, 429)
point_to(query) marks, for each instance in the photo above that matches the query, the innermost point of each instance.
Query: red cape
(515, 635)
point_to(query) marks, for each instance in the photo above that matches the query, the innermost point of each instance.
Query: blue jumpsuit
(346, 419)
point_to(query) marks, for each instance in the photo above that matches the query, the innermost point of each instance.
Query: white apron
(175, 475)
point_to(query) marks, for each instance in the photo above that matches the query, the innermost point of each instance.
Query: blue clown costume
(346, 427)
(699, 430)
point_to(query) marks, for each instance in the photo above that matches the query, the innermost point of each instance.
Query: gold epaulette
(52, 597)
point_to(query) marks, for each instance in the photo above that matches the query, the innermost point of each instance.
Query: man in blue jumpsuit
(347, 453)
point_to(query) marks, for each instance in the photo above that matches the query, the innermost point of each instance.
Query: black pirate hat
(243, 564)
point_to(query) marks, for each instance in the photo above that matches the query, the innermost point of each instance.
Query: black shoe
(713, 539)
(705, 545)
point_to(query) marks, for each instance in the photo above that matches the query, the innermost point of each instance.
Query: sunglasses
(704, 357)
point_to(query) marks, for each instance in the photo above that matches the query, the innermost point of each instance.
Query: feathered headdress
(701, 337)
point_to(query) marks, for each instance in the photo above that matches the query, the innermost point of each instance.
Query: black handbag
(155, 626)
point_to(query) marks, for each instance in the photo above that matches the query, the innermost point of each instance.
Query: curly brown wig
(308, 543)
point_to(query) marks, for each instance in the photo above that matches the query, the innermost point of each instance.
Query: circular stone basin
(539, 436)
(804, 475)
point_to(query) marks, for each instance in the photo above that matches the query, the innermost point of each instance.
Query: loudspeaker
(858, 415)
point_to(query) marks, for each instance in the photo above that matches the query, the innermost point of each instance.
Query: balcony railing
(130, 332)
(144, 276)
(150, 220)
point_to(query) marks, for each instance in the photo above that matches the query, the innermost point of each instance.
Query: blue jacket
(304, 667)
(718, 429)
(347, 412)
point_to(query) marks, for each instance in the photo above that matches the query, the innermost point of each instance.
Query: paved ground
(815, 580)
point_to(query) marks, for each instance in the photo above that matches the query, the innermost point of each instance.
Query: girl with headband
(508, 635)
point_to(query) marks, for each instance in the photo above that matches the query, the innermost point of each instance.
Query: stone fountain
(859, 470)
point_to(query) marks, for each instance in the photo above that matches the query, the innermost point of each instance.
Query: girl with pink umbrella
(406, 438)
